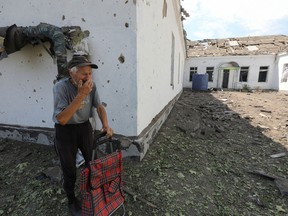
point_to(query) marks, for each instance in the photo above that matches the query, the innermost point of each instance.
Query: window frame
(193, 70)
(243, 69)
(263, 69)
(210, 75)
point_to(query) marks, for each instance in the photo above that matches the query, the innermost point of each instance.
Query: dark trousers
(68, 138)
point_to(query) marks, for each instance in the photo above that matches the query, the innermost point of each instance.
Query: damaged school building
(259, 62)
(143, 57)
(138, 45)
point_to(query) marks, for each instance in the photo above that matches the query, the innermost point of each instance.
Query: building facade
(250, 62)
(138, 46)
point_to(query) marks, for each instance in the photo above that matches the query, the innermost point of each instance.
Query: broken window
(193, 70)
(209, 71)
(243, 74)
(284, 73)
(263, 74)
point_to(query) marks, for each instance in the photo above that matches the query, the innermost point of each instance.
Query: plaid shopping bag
(101, 186)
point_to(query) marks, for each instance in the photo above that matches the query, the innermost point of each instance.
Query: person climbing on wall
(74, 100)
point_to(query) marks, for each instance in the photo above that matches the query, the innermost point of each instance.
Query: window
(192, 71)
(243, 74)
(284, 73)
(179, 69)
(263, 74)
(172, 61)
(209, 71)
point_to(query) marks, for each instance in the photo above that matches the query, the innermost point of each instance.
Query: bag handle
(98, 141)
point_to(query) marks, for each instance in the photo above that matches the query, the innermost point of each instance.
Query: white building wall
(155, 28)
(253, 62)
(26, 77)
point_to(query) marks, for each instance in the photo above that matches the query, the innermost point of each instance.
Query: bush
(245, 88)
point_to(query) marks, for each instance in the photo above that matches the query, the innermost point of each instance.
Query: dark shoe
(75, 208)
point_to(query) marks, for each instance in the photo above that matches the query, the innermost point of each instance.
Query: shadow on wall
(13, 38)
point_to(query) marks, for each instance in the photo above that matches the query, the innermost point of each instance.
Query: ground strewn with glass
(200, 162)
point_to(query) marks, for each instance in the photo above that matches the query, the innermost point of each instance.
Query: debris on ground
(196, 165)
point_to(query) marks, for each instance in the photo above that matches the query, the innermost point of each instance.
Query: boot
(75, 207)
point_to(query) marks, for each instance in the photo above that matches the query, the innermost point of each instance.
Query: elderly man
(74, 99)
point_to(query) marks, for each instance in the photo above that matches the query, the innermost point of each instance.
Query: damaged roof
(252, 45)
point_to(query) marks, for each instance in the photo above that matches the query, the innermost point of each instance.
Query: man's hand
(108, 130)
(86, 88)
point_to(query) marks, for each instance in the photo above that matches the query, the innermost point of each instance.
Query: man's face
(83, 73)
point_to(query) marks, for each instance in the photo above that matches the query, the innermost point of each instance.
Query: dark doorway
(225, 78)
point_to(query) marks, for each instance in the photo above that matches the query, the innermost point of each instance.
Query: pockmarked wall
(160, 57)
(253, 62)
(26, 77)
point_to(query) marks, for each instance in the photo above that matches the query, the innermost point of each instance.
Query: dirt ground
(200, 163)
